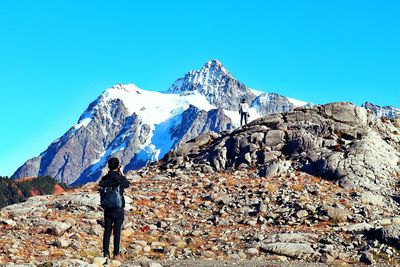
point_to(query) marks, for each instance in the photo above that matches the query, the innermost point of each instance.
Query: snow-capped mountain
(140, 126)
(384, 112)
(216, 83)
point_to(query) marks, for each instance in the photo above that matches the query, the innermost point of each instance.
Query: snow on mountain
(216, 83)
(140, 126)
(154, 107)
(384, 112)
(297, 103)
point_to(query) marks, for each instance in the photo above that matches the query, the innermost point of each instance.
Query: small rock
(301, 214)
(209, 254)
(140, 243)
(327, 258)
(337, 214)
(62, 243)
(197, 233)
(114, 263)
(367, 258)
(180, 244)
(59, 228)
(252, 251)
(151, 264)
(99, 261)
(8, 222)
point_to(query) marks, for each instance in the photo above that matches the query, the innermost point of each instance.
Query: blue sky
(57, 56)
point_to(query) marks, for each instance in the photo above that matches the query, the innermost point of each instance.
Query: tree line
(12, 191)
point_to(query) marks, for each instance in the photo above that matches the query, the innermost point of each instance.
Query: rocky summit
(314, 185)
(338, 141)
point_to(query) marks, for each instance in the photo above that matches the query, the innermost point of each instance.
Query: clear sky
(57, 56)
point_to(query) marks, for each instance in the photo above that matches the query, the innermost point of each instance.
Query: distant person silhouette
(114, 217)
(244, 112)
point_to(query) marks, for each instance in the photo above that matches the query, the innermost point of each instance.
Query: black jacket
(114, 178)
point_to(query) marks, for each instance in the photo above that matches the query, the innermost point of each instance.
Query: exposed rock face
(388, 112)
(71, 157)
(217, 84)
(196, 122)
(271, 103)
(140, 126)
(338, 141)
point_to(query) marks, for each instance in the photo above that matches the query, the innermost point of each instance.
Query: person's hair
(113, 163)
(243, 100)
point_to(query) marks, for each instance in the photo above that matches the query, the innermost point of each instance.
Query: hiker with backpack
(244, 112)
(112, 201)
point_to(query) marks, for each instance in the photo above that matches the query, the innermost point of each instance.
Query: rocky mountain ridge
(337, 141)
(140, 126)
(388, 112)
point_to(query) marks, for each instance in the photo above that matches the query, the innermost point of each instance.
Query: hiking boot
(118, 258)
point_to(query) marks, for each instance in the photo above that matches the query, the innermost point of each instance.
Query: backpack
(110, 197)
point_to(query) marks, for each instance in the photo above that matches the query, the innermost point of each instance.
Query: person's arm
(123, 181)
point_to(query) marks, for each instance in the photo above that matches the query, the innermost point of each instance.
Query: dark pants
(112, 223)
(243, 115)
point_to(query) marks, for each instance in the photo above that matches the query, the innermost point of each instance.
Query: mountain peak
(214, 63)
(214, 67)
(216, 83)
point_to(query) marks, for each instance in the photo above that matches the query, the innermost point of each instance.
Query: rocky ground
(316, 185)
(185, 215)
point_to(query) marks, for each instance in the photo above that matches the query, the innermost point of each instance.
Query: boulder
(300, 251)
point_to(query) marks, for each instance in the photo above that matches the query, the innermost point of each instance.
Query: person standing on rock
(244, 112)
(114, 217)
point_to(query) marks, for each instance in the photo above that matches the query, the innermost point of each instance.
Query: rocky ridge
(337, 141)
(388, 112)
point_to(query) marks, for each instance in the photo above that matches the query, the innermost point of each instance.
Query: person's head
(243, 100)
(113, 164)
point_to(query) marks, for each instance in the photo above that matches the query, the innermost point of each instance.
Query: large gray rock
(337, 141)
(294, 250)
(291, 238)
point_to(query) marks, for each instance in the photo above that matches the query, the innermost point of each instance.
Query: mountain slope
(140, 126)
(388, 112)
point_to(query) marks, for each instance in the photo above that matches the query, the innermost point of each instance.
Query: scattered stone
(252, 251)
(209, 254)
(372, 199)
(327, 258)
(293, 250)
(99, 261)
(58, 228)
(336, 214)
(367, 258)
(62, 243)
(114, 263)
